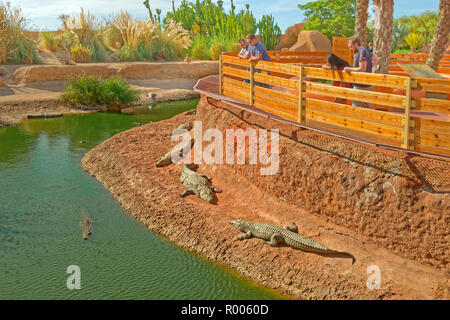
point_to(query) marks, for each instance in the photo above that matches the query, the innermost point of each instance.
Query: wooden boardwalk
(401, 116)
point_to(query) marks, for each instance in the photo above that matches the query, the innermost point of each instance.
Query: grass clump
(216, 50)
(93, 90)
(15, 46)
(80, 54)
(51, 41)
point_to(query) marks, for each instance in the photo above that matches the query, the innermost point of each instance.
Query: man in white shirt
(246, 50)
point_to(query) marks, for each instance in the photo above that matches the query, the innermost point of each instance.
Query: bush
(216, 50)
(15, 45)
(51, 41)
(414, 40)
(93, 90)
(82, 29)
(235, 47)
(200, 51)
(80, 54)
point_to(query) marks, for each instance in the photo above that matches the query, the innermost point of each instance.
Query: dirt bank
(34, 90)
(345, 204)
(130, 70)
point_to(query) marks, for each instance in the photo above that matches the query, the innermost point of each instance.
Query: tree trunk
(383, 35)
(441, 35)
(361, 20)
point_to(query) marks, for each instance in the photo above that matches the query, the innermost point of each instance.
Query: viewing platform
(406, 113)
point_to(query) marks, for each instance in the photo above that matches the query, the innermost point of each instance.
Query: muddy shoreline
(124, 164)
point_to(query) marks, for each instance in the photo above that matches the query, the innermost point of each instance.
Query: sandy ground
(124, 164)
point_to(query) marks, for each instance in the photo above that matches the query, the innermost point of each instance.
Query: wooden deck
(401, 115)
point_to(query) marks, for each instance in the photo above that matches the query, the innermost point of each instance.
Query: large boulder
(289, 38)
(312, 41)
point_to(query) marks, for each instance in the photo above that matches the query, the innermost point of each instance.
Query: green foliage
(423, 24)
(81, 54)
(51, 41)
(83, 29)
(216, 50)
(270, 33)
(93, 90)
(15, 45)
(330, 17)
(208, 19)
(200, 51)
(414, 40)
(399, 32)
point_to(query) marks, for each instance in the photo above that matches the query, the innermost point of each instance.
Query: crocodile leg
(206, 177)
(275, 240)
(187, 192)
(247, 235)
(293, 227)
(216, 190)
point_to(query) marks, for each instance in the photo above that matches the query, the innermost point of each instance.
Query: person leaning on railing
(245, 53)
(335, 63)
(363, 63)
(246, 49)
(258, 52)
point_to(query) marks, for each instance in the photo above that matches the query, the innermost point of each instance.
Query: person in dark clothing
(363, 63)
(336, 63)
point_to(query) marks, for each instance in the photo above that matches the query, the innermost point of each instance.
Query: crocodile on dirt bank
(275, 235)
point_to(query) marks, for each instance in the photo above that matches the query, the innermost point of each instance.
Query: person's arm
(326, 67)
(362, 67)
(242, 54)
(256, 58)
(363, 62)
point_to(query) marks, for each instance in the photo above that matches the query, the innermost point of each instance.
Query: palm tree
(441, 35)
(383, 34)
(361, 20)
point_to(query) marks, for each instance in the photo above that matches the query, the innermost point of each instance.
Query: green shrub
(51, 41)
(81, 54)
(24, 52)
(15, 45)
(235, 47)
(93, 90)
(200, 51)
(117, 91)
(216, 50)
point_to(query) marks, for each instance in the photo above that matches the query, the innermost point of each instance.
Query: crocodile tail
(348, 254)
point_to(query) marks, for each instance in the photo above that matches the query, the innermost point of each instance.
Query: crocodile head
(241, 224)
(206, 194)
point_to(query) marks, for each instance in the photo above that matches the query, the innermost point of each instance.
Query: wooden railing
(444, 64)
(303, 94)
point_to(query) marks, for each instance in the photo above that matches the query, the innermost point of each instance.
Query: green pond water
(43, 192)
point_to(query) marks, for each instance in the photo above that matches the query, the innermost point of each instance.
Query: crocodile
(198, 184)
(166, 159)
(288, 235)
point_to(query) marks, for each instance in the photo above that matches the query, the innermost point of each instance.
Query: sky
(43, 14)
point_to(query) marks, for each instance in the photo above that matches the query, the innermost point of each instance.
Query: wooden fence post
(221, 74)
(407, 123)
(301, 98)
(252, 83)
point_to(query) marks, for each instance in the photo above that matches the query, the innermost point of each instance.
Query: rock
(289, 38)
(312, 41)
(151, 95)
(190, 112)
